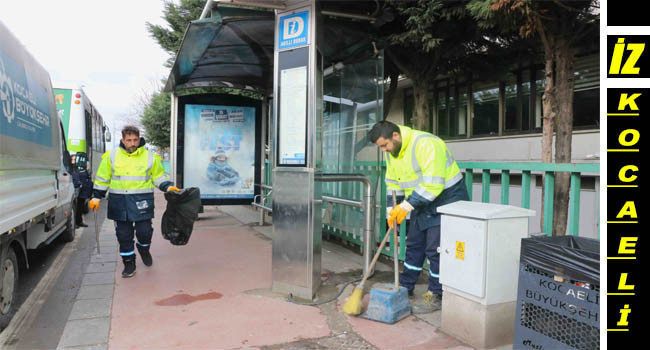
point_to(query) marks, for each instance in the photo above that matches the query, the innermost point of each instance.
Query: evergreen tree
(561, 28)
(155, 119)
(430, 38)
(178, 17)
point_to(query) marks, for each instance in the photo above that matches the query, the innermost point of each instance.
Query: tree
(561, 27)
(155, 119)
(155, 109)
(430, 38)
(178, 17)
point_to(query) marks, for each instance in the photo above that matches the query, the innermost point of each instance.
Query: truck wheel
(68, 234)
(9, 286)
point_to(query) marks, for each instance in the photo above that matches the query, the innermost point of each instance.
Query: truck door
(65, 189)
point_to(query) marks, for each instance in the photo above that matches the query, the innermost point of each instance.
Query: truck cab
(37, 193)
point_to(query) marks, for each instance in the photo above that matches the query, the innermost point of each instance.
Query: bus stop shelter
(317, 71)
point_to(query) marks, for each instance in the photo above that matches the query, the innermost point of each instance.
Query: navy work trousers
(421, 244)
(125, 229)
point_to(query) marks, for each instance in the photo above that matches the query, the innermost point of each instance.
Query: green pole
(525, 189)
(469, 181)
(485, 181)
(574, 205)
(505, 187)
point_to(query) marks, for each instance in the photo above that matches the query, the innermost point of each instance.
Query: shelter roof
(233, 48)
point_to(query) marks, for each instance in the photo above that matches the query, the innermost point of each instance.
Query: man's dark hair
(130, 129)
(383, 129)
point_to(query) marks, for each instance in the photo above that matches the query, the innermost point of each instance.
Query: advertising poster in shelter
(220, 150)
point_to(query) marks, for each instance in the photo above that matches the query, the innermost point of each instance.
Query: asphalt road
(46, 329)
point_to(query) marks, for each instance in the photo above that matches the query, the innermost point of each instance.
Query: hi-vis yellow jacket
(129, 179)
(426, 174)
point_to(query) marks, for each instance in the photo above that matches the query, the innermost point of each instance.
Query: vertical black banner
(628, 58)
(625, 110)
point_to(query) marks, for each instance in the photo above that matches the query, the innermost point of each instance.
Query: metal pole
(265, 108)
(368, 208)
(396, 266)
(344, 201)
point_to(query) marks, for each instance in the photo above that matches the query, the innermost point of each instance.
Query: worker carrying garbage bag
(420, 167)
(182, 210)
(219, 171)
(129, 174)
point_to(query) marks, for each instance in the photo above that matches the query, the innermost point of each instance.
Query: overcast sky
(103, 45)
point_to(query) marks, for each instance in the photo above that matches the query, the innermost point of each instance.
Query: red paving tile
(208, 279)
(228, 261)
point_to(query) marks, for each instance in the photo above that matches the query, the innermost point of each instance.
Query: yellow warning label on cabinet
(460, 250)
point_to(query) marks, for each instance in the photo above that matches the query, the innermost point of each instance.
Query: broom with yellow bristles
(353, 305)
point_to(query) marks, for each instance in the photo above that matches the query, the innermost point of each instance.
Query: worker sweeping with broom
(421, 168)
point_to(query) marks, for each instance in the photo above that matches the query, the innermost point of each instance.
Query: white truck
(36, 189)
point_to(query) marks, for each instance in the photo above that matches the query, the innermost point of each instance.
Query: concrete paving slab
(108, 250)
(101, 267)
(104, 257)
(99, 291)
(86, 347)
(90, 308)
(92, 331)
(98, 278)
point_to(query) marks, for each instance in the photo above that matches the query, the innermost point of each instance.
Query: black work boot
(129, 266)
(145, 255)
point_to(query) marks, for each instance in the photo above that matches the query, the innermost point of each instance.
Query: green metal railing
(346, 221)
(527, 169)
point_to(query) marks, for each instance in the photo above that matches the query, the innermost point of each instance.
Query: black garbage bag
(182, 210)
(576, 258)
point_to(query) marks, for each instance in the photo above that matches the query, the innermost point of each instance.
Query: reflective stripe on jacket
(426, 174)
(129, 179)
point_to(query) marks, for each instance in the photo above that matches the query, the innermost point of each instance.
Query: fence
(344, 221)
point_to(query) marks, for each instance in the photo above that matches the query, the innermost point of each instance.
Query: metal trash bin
(558, 302)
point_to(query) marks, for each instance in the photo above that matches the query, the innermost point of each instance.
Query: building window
(586, 98)
(461, 113)
(586, 108)
(442, 112)
(539, 93)
(521, 102)
(485, 120)
(513, 107)
(517, 101)
(450, 108)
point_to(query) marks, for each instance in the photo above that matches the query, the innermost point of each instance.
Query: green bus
(84, 127)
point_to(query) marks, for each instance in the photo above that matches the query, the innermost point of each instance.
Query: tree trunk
(548, 118)
(421, 103)
(564, 128)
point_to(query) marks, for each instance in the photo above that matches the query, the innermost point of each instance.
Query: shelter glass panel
(352, 104)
